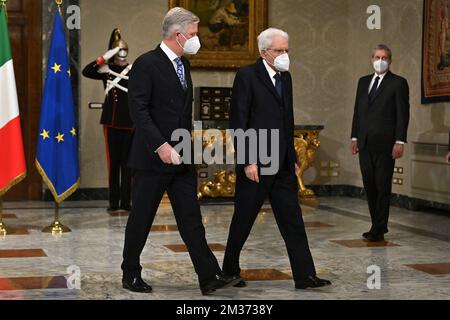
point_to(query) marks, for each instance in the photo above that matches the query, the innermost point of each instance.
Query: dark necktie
(374, 89)
(278, 86)
(180, 72)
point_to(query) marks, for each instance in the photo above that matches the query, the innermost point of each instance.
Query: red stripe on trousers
(105, 131)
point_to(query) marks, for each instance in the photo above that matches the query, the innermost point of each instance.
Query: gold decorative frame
(215, 55)
(436, 56)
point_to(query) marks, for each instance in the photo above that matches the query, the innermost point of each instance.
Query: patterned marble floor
(414, 262)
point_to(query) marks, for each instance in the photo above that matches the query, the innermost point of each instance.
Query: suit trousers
(282, 191)
(148, 190)
(118, 149)
(377, 168)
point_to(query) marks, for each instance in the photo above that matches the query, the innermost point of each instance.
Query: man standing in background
(379, 132)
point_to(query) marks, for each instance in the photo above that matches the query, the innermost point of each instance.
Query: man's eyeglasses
(279, 51)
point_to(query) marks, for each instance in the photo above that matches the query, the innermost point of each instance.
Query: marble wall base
(320, 191)
(397, 200)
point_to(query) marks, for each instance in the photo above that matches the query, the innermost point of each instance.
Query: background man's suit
(377, 124)
(159, 105)
(256, 105)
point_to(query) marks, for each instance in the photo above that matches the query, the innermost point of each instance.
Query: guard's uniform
(118, 128)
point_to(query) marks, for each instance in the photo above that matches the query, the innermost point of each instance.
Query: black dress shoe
(219, 281)
(136, 284)
(112, 209)
(241, 284)
(312, 282)
(375, 237)
(366, 235)
(125, 208)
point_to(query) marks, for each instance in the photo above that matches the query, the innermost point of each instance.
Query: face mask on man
(191, 46)
(381, 66)
(282, 62)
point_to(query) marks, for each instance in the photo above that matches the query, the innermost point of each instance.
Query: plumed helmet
(117, 41)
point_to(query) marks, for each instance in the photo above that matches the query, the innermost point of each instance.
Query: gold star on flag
(45, 134)
(73, 132)
(70, 74)
(60, 137)
(56, 68)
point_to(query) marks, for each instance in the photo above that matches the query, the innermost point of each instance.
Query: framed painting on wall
(436, 52)
(228, 31)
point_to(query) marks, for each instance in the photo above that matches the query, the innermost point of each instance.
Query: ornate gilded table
(306, 141)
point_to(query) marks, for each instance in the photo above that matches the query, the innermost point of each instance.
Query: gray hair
(178, 19)
(266, 37)
(383, 47)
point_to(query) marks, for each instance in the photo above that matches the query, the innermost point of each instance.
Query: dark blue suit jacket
(255, 104)
(383, 122)
(158, 106)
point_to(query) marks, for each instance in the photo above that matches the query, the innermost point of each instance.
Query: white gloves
(111, 53)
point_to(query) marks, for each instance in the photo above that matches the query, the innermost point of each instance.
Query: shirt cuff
(157, 150)
(399, 142)
(354, 139)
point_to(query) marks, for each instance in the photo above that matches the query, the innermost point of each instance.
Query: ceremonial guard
(113, 69)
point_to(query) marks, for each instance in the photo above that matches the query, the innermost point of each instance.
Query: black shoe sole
(230, 284)
(127, 287)
(241, 284)
(312, 287)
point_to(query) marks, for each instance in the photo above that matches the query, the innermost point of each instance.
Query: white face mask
(192, 45)
(282, 62)
(381, 66)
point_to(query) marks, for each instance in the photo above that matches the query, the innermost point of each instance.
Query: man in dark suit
(379, 131)
(160, 98)
(262, 100)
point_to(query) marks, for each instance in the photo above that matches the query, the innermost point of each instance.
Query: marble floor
(413, 262)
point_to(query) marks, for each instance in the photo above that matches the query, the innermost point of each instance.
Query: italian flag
(12, 158)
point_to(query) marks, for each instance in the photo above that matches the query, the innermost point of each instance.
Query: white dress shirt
(379, 81)
(171, 55)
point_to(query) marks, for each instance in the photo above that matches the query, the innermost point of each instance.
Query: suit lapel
(168, 68)
(265, 78)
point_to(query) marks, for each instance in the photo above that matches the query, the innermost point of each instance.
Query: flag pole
(56, 227)
(59, 3)
(4, 230)
(3, 4)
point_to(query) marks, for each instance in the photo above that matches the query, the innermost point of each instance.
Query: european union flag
(57, 150)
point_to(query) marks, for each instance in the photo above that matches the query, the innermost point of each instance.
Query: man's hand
(447, 158)
(165, 153)
(251, 172)
(354, 147)
(397, 151)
